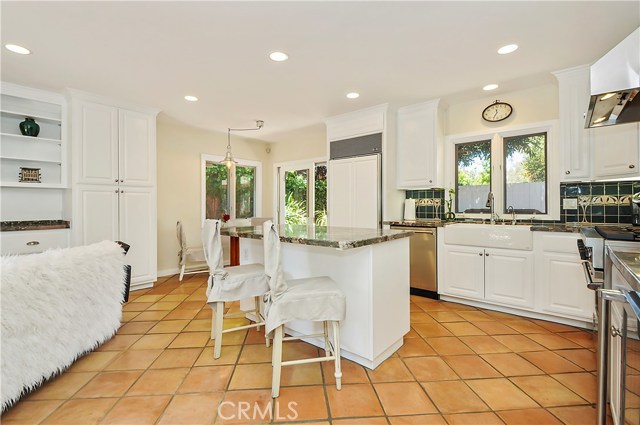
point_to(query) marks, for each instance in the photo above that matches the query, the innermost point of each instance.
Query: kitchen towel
(409, 209)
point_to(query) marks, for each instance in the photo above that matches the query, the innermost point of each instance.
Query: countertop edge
(630, 276)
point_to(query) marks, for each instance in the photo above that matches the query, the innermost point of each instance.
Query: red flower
(225, 217)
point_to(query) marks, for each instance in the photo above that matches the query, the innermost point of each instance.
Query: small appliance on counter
(635, 209)
(409, 209)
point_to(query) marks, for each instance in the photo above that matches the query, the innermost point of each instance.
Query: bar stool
(230, 284)
(312, 299)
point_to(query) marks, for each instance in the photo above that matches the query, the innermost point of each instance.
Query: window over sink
(513, 164)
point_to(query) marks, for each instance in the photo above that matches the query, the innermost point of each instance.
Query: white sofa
(56, 306)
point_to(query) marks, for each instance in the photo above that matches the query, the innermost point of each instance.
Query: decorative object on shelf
(225, 217)
(29, 175)
(449, 215)
(228, 158)
(497, 111)
(29, 127)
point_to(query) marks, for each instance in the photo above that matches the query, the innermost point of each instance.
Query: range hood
(615, 85)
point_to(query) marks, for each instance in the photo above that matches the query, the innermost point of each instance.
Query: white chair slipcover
(187, 254)
(229, 284)
(316, 299)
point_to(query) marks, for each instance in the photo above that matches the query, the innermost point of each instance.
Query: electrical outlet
(570, 204)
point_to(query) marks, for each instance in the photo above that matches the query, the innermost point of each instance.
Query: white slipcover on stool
(188, 254)
(315, 299)
(229, 284)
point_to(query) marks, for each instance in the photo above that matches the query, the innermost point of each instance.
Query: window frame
(455, 184)
(204, 158)
(278, 180)
(498, 179)
(546, 170)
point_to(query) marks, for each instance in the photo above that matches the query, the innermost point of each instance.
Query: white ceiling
(154, 53)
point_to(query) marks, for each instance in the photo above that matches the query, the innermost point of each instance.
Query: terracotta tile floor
(459, 365)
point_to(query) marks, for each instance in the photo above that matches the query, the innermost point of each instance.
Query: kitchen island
(371, 266)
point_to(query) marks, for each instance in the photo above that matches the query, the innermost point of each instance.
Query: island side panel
(391, 317)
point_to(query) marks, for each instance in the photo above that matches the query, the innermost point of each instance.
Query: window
(513, 165)
(473, 176)
(302, 192)
(525, 172)
(235, 191)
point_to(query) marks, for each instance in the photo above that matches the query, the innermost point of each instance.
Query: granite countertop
(628, 263)
(330, 237)
(417, 223)
(534, 227)
(10, 226)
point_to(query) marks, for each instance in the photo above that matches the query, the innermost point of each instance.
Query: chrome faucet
(513, 214)
(491, 205)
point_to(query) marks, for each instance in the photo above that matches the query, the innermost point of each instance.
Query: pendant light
(228, 160)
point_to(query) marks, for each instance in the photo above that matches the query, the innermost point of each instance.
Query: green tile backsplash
(599, 202)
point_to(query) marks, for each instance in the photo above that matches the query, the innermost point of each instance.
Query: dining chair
(188, 254)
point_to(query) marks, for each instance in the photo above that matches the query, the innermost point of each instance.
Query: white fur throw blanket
(56, 306)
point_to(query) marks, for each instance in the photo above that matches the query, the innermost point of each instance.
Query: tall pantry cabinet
(114, 179)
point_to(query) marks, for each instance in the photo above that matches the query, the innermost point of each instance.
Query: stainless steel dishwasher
(422, 250)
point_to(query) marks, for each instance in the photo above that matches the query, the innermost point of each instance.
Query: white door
(137, 148)
(463, 273)
(365, 211)
(340, 193)
(509, 277)
(96, 133)
(98, 220)
(564, 289)
(615, 151)
(138, 229)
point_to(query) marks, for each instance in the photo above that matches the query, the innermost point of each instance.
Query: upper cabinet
(573, 90)
(113, 144)
(616, 151)
(609, 152)
(419, 146)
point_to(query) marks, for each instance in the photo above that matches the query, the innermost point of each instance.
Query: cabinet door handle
(486, 254)
(116, 180)
(480, 254)
(632, 166)
(121, 181)
(33, 243)
(116, 190)
(122, 191)
(567, 172)
(430, 181)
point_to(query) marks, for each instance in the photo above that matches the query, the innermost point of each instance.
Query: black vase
(29, 127)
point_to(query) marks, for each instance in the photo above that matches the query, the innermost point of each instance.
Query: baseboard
(168, 272)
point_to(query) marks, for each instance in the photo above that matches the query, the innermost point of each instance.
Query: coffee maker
(635, 209)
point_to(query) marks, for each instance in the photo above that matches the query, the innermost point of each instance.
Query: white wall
(179, 181)
(536, 104)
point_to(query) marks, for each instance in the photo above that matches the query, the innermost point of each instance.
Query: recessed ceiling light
(509, 48)
(17, 49)
(191, 98)
(490, 87)
(353, 95)
(607, 96)
(278, 56)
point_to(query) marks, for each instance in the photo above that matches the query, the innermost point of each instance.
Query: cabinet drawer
(559, 242)
(32, 241)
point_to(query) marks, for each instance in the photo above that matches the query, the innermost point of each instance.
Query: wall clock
(497, 111)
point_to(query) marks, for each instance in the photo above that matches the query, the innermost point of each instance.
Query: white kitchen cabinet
(463, 268)
(573, 92)
(114, 179)
(121, 213)
(616, 151)
(496, 275)
(357, 123)
(113, 145)
(353, 192)
(508, 277)
(32, 241)
(419, 146)
(562, 288)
